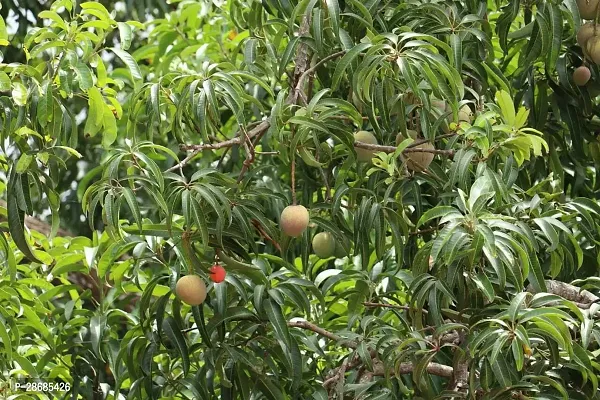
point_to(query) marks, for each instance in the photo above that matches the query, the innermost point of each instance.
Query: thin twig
(391, 149)
(316, 329)
(386, 305)
(423, 231)
(185, 161)
(249, 155)
(421, 141)
(293, 173)
(258, 129)
(265, 235)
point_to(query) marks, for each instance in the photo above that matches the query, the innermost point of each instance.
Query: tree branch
(387, 305)
(265, 235)
(391, 149)
(404, 368)
(421, 141)
(266, 124)
(582, 297)
(323, 332)
(301, 61)
(87, 281)
(309, 71)
(258, 129)
(408, 367)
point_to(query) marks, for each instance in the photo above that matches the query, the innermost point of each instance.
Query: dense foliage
(145, 141)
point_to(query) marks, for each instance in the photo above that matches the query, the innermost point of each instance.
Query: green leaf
(345, 62)
(556, 24)
(134, 69)
(507, 107)
(273, 311)
(269, 388)
(6, 341)
(9, 258)
(133, 205)
(54, 17)
(516, 305)
(97, 325)
(111, 254)
(437, 212)
(96, 109)
(109, 122)
(84, 75)
(549, 232)
(484, 284)
(96, 9)
(172, 331)
(5, 83)
(24, 163)
(287, 55)
(3, 33)
(26, 365)
(16, 217)
(333, 9)
(125, 33)
(456, 44)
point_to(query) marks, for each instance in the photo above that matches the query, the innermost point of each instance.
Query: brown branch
(346, 118)
(302, 64)
(266, 124)
(421, 141)
(185, 161)
(87, 281)
(265, 235)
(37, 225)
(250, 155)
(423, 231)
(323, 332)
(460, 375)
(386, 305)
(309, 71)
(314, 328)
(261, 128)
(583, 298)
(408, 367)
(404, 368)
(258, 129)
(391, 149)
(301, 61)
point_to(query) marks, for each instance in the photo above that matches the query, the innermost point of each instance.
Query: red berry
(217, 273)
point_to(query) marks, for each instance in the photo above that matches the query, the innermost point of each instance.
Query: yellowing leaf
(507, 107)
(3, 33)
(24, 162)
(536, 144)
(4, 82)
(521, 118)
(26, 131)
(96, 9)
(109, 134)
(19, 93)
(100, 70)
(54, 17)
(95, 117)
(118, 109)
